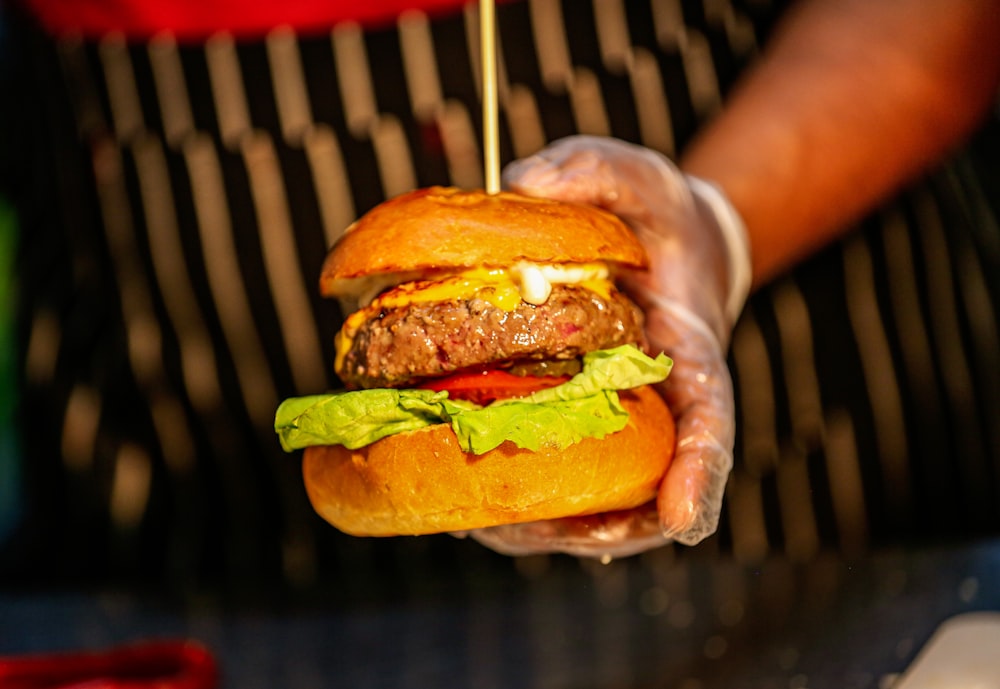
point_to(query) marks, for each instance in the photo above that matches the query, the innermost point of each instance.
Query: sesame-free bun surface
(421, 482)
(445, 228)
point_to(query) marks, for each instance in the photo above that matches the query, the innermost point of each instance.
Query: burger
(493, 373)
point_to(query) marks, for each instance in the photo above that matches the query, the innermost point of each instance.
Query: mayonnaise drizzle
(535, 280)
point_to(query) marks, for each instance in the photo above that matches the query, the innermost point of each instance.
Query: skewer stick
(491, 146)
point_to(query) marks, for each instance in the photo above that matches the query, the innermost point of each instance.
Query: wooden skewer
(491, 146)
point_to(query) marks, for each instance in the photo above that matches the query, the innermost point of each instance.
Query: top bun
(444, 229)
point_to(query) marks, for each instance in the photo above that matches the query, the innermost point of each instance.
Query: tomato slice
(488, 385)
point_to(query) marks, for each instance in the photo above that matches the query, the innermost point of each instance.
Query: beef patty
(430, 339)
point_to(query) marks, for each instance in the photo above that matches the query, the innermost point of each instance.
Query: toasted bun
(443, 228)
(421, 482)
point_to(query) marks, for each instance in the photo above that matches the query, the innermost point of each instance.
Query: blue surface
(644, 622)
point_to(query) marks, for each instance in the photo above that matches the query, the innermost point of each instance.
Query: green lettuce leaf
(529, 425)
(357, 418)
(620, 368)
(586, 406)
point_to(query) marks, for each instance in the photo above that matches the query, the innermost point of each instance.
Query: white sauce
(535, 280)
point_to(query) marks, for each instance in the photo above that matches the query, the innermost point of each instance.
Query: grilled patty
(403, 345)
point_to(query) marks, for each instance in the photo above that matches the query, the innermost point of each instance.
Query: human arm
(850, 100)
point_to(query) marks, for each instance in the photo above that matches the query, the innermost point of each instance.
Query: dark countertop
(654, 621)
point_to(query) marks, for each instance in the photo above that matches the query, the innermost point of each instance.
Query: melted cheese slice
(504, 288)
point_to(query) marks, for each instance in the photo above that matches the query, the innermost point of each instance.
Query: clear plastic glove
(696, 287)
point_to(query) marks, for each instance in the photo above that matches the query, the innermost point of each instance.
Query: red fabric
(197, 19)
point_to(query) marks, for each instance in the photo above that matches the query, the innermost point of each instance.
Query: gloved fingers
(600, 171)
(603, 536)
(690, 498)
(699, 392)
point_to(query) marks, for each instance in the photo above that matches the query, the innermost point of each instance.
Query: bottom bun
(421, 482)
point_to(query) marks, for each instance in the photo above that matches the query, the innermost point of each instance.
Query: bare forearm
(850, 100)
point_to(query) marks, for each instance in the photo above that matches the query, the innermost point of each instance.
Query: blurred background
(166, 206)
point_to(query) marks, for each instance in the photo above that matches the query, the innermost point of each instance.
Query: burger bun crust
(441, 229)
(422, 482)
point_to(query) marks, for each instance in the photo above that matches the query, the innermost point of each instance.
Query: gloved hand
(697, 285)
